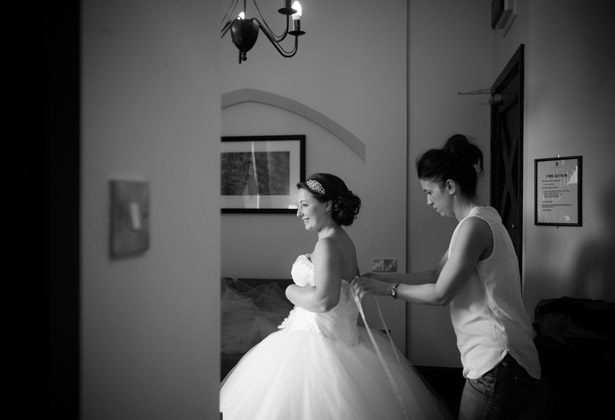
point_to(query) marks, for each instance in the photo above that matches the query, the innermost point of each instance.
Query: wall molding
(241, 96)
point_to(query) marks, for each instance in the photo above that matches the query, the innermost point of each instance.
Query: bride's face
(311, 211)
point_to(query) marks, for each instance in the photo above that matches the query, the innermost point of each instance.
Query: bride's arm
(325, 293)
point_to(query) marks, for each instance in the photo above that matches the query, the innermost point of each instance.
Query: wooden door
(507, 148)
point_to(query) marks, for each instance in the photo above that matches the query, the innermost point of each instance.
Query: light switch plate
(384, 265)
(129, 218)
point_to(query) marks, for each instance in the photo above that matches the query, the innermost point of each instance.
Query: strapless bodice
(340, 323)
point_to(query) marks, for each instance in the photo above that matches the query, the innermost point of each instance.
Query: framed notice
(558, 191)
(259, 174)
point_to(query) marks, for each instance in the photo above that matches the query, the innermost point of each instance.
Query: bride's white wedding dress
(321, 366)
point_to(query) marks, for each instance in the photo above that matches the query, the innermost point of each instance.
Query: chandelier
(244, 31)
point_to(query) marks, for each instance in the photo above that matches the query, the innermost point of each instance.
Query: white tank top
(488, 314)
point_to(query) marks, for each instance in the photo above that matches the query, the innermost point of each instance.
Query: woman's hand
(370, 286)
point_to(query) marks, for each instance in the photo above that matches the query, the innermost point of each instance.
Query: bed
(575, 339)
(251, 309)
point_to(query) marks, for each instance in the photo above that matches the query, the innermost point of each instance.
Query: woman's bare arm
(473, 238)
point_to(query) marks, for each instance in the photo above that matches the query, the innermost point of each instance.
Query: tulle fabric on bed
(249, 314)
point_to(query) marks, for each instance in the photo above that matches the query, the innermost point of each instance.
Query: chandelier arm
(264, 23)
(229, 12)
(226, 27)
(278, 47)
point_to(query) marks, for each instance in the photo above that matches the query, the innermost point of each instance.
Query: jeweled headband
(315, 186)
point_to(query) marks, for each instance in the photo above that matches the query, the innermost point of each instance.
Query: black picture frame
(558, 191)
(258, 174)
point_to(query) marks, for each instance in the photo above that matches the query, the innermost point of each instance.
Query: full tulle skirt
(303, 375)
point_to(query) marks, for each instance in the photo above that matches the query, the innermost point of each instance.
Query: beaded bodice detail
(340, 323)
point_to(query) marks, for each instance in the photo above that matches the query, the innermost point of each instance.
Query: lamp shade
(244, 33)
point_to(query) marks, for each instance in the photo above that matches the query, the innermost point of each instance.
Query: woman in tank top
(478, 277)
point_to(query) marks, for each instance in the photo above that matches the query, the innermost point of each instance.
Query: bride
(321, 364)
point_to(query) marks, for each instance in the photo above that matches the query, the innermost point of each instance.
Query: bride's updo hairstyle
(458, 160)
(327, 187)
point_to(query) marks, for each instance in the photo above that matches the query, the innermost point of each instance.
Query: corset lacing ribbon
(396, 391)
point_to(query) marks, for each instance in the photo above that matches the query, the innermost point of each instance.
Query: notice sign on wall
(558, 191)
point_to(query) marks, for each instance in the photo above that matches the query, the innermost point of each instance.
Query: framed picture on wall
(259, 174)
(557, 191)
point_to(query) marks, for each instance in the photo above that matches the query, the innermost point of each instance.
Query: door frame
(514, 67)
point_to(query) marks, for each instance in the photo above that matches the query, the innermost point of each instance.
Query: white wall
(351, 67)
(571, 103)
(151, 111)
(450, 51)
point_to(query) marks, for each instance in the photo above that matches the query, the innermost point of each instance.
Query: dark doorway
(507, 148)
(49, 178)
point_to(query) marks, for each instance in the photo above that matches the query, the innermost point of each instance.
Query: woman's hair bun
(346, 208)
(459, 160)
(460, 149)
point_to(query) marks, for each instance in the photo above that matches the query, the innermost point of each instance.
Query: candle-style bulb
(297, 7)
